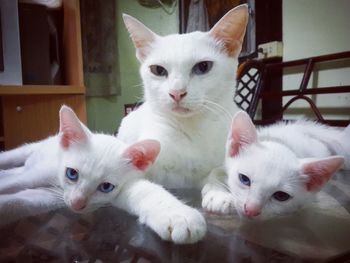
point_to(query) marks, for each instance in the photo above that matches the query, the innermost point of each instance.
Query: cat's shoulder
(136, 116)
(130, 124)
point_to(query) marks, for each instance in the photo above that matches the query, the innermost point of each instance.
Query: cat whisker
(220, 108)
(58, 195)
(54, 188)
(211, 109)
(137, 85)
(216, 111)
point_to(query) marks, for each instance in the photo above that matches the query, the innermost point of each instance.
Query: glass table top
(320, 233)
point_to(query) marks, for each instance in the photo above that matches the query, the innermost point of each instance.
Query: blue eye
(105, 187)
(244, 179)
(72, 174)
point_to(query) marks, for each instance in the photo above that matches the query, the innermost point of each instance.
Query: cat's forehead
(195, 45)
(107, 143)
(103, 152)
(262, 162)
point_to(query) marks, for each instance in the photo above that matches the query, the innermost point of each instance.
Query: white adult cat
(280, 168)
(87, 171)
(189, 83)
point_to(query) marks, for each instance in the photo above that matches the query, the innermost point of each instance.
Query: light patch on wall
(314, 28)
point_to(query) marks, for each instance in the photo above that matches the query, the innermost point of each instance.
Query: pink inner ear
(141, 36)
(243, 133)
(231, 29)
(69, 136)
(70, 128)
(234, 148)
(320, 171)
(143, 153)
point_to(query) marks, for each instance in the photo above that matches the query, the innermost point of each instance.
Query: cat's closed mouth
(180, 109)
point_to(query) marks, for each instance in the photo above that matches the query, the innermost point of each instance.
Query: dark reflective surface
(318, 234)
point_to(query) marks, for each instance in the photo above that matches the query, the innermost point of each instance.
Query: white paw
(217, 202)
(183, 225)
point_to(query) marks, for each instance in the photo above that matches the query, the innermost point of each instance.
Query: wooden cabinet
(30, 112)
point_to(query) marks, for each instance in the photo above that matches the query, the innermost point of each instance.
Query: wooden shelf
(30, 112)
(41, 89)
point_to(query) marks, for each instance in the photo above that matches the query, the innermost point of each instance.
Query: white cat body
(188, 151)
(189, 83)
(307, 138)
(280, 168)
(187, 105)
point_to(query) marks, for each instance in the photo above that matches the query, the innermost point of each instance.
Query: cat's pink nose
(78, 203)
(251, 211)
(177, 95)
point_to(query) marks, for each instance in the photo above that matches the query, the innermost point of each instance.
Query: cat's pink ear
(319, 171)
(141, 36)
(230, 29)
(242, 134)
(71, 128)
(143, 154)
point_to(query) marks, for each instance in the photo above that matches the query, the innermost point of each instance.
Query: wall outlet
(270, 50)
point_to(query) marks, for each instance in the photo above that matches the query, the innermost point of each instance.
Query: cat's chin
(83, 211)
(247, 219)
(182, 111)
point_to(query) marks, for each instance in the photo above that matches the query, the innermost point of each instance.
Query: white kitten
(85, 171)
(279, 169)
(189, 83)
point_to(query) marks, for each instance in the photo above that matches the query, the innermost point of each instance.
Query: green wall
(105, 113)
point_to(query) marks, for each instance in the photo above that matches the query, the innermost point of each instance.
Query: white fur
(215, 195)
(189, 151)
(192, 130)
(40, 183)
(273, 163)
(98, 161)
(162, 212)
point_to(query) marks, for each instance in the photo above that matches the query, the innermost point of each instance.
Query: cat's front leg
(215, 195)
(26, 203)
(11, 172)
(162, 212)
(16, 157)
(17, 179)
